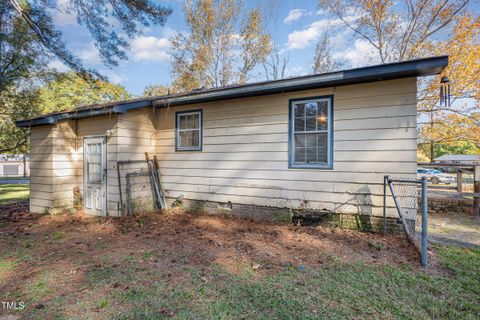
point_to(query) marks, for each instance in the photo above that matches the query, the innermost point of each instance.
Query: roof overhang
(406, 69)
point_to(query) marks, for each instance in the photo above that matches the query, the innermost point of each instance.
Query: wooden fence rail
(461, 169)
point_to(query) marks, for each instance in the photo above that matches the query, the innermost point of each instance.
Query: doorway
(95, 175)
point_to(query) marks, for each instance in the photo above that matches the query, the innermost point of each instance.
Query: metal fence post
(424, 223)
(385, 178)
(120, 188)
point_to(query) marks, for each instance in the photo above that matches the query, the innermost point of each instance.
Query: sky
(295, 27)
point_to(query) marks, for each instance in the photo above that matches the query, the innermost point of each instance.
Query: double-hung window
(189, 131)
(311, 133)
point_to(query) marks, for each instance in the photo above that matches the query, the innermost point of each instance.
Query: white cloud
(90, 55)
(150, 48)
(116, 78)
(362, 54)
(296, 71)
(58, 65)
(294, 15)
(300, 39)
(63, 14)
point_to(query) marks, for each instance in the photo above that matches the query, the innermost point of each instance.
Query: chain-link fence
(409, 195)
(139, 186)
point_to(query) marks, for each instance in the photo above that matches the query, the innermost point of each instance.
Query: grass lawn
(6, 178)
(185, 266)
(10, 193)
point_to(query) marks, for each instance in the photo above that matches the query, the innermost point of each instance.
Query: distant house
(13, 165)
(318, 142)
(459, 158)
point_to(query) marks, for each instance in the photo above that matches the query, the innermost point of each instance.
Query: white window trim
(178, 130)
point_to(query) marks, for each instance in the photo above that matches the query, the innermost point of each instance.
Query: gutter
(423, 67)
(82, 114)
(413, 68)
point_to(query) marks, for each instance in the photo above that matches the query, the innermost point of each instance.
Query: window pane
(299, 110)
(300, 140)
(311, 155)
(183, 122)
(195, 140)
(322, 116)
(299, 155)
(322, 147)
(94, 173)
(189, 138)
(183, 135)
(311, 124)
(299, 124)
(196, 120)
(311, 109)
(311, 141)
(189, 130)
(312, 119)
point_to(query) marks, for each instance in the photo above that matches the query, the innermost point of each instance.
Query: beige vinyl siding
(245, 150)
(57, 162)
(53, 168)
(136, 135)
(99, 126)
(41, 180)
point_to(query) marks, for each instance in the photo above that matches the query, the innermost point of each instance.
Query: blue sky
(295, 27)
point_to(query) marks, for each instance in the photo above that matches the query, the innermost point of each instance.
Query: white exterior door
(95, 175)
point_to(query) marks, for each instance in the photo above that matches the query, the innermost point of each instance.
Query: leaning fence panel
(139, 186)
(406, 197)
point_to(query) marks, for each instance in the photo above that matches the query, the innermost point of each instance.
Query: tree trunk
(24, 164)
(432, 155)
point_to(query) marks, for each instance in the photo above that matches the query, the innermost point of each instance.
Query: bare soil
(451, 228)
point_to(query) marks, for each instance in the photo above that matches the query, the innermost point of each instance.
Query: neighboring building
(12, 165)
(321, 142)
(12, 157)
(459, 158)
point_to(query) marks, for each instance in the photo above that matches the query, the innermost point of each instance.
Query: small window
(311, 127)
(94, 162)
(189, 131)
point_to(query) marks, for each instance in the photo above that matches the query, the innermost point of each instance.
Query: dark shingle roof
(412, 68)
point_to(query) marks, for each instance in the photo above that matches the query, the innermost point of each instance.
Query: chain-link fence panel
(138, 186)
(410, 198)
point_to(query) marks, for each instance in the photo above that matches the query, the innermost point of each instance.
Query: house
(459, 159)
(13, 165)
(318, 142)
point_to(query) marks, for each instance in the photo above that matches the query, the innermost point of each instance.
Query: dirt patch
(52, 256)
(454, 228)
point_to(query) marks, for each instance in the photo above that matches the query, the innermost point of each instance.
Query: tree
(275, 66)
(460, 121)
(70, 91)
(16, 105)
(223, 45)
(155, 90)
(95, 16)
(397, 33)
(323, 61)
(458, 147)
(64, 93)
(21, 56)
